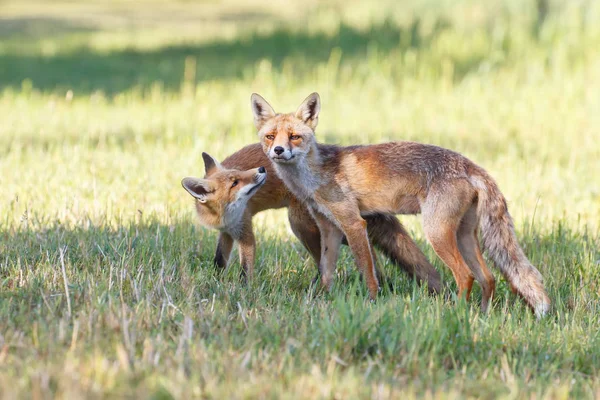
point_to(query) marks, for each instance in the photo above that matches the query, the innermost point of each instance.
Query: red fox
(456, 197)
(231, 193)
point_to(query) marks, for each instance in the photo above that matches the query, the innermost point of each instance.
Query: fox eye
(270, 137)
(234, 184)
(295, 137)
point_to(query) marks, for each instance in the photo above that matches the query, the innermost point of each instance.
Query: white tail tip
(542, 309)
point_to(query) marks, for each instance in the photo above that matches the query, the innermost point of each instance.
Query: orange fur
(454, 196)
(386, 232)
(222, 203)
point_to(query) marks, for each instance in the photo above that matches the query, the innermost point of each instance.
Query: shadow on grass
(181, 250)
(32, 28)
(136, 290)
(85, 70)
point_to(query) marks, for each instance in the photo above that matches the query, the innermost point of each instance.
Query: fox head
(286, 138)
(221, 196)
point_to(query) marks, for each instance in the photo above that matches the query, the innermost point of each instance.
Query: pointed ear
(210, 164)
(199, 188)
(308, 111)
(261, 110)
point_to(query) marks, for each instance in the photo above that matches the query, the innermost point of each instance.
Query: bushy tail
(500, 242)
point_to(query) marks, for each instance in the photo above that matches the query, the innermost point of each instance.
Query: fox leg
(331, 241)
(224, 245)
(247, 248)
(443, 241)
(307, 231)
(388, 234)
(442, 212)
(358, 240)
(355, 229)
(385, 232)
(468, 245)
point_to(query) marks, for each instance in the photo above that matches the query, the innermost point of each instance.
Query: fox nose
(278, 150)
(262, 170)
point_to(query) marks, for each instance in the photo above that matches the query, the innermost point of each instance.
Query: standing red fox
(341, 185)
(231, 193)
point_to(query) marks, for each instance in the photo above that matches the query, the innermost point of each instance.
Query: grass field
(106, 284)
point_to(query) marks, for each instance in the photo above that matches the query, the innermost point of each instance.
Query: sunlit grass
(106, 105)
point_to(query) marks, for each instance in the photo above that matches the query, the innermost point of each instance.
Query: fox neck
(232, 219)
(304, 177)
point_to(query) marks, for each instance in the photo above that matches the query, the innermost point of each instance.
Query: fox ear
(308, 111)
(210, 164)
(199, 188)
(261, 110)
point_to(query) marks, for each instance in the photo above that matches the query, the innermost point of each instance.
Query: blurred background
(107, 104)
(106, 284)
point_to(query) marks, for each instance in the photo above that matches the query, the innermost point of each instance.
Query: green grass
(106, 105)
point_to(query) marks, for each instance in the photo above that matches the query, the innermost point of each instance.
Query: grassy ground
(106, 287)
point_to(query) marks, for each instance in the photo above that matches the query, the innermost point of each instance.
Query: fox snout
(280, 154)
(258, 179)
(261, 175)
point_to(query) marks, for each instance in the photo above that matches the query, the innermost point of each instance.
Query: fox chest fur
(311, 187)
